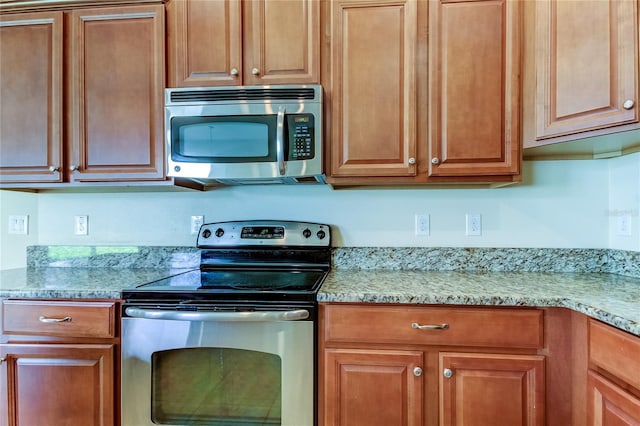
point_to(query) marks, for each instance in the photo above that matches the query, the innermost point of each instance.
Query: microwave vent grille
(242, 94)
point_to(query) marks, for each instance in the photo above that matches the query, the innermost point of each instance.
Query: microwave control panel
(301, 136)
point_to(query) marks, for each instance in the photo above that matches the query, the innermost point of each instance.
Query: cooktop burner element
(250, 261)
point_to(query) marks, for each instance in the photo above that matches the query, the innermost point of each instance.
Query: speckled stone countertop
(611, 298)
(604, 284)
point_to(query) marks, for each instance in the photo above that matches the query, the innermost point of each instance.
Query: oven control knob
(219, 232)
(206, 233)
(306, 233)
(321, 234)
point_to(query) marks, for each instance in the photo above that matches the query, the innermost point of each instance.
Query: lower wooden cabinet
(613, 380)
(57, 384)
(410, 365)
(58, 363)
(491, 389)
(373, 387)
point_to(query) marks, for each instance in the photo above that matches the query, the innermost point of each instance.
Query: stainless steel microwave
(245, 134)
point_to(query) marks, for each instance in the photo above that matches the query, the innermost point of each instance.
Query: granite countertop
(77, 283)
(614, 299)
(611, 298)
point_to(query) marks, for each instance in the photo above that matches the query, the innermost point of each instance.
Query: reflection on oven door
(217, 373)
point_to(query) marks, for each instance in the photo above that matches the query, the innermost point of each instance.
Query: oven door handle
(252, 316)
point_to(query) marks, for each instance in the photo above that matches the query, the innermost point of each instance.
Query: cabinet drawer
(508, 327)
(53, 318)
(615, 351)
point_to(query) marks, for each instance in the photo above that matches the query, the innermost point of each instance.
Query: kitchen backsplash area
(361, 258)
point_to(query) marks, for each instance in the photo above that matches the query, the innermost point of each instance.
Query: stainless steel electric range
(234, 341)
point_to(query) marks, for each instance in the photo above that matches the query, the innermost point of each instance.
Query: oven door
(217, 368)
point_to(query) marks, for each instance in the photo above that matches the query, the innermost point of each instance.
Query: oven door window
(225, 139)
(216, 386)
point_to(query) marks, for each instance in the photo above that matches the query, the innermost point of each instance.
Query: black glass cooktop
(233, 285)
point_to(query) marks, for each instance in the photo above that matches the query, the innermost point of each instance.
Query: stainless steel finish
(2, 360)
(294, 315)
(417, 371)
(73, 168)
(293, 341)
(294, 234)
(280, 140)
(242, 172)
(628, 104)
(255, 71)
(54, 320)
(412, 160)
(447, 373)
(234, 71)
(442, 326)
(54, 169)
(435, 160)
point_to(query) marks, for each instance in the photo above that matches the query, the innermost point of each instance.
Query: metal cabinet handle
(628, 104)
(2, 360)
(234, 71)
(417, 371)
(442, 326)
(435, 160)
(52, 320)
(412, 160)
(73, 168)
(255, 71)
(54, 169)
(447, 373)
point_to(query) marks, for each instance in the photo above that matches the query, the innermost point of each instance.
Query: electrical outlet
(624, 225)
(474, 224)
(81, 225)
(196, 223)
(18, 224)
(422, 224)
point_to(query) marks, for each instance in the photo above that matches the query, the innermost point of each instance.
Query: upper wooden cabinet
(107, 125)
(422, 92)
(234, 42)
(31, 98)
(373, 88)
(474, 81)
(582, 69)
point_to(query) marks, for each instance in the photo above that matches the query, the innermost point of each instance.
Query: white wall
(13, 247)
(565, 204)
(624, 201)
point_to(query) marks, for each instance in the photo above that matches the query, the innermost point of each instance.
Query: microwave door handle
(280, 140)
(251, 316)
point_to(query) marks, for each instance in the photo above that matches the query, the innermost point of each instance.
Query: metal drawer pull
(2, 360)
(447, 373)
(442, 326)
(417, 371)
(51, 320)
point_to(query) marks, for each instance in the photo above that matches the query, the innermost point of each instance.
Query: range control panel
(263, 233)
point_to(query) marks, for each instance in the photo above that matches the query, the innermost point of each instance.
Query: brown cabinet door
(474, 75)
(372, 387)
(116, 79)
(31, 97)
(373, 88)
(205, 42)
(610, 405)
(586, 65)
(491, 389)
(51, 385)
(281, 41)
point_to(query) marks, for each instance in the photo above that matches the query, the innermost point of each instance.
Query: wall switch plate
(81, 225)
(422, 224)
(18, 224)
(624, 225)
(474, 224)
(196, 223)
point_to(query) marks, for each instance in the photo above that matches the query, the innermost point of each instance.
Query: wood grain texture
(615, 351)
(610, 405)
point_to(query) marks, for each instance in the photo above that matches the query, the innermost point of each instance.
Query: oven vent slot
(242, 94)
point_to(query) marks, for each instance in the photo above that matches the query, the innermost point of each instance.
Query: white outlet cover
(81, 225)
(474, 224)
(18, 224)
